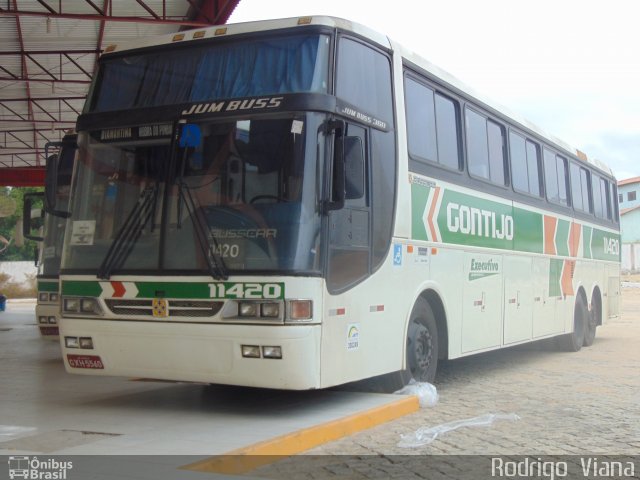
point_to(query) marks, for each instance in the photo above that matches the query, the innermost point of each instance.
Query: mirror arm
(337, 167)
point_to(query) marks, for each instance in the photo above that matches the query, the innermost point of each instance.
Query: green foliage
(8, 227)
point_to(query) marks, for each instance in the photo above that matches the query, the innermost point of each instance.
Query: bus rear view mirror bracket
(347, 176)
(51, 184)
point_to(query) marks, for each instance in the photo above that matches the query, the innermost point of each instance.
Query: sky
(571, 67)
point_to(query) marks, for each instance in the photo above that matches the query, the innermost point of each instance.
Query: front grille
(176, 308)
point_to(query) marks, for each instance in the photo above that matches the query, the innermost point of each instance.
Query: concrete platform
(45, 411)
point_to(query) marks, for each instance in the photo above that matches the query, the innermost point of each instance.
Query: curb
(249, 458)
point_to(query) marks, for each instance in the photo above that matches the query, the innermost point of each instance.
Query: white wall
(18, 271)
(630, 257)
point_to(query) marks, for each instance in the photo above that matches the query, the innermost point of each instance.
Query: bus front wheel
(422, 343)
(421, 351)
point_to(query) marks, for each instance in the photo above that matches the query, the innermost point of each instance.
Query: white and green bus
(50, 243)
(302, 203)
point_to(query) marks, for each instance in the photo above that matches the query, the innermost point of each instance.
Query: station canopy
(48, 54)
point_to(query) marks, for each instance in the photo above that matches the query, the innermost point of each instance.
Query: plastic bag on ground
(8, 431)
(426, 435)
(426, 393)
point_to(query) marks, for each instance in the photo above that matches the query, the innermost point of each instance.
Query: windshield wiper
(215, 263)
(126, 238)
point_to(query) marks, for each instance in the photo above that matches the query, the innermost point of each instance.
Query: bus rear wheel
(572, 342)
(590, 326)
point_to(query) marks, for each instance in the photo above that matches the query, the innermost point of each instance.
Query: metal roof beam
(29, 99)
(49, 52)
(25, 72)
(22, 176)
(42, 80)
(107, 18)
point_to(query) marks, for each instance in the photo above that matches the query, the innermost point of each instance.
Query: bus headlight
(272, 352)
(248, 309)
(89, 305)
(82, 342)
(251, 351)
(43, 297)
(84, 306)
(71, 305)
(270, 310)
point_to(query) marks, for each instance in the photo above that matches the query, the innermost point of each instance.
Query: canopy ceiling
(48, 53)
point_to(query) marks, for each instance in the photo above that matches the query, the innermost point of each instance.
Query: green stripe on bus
(173, 290)
(48, 285)
(529, 231)
(555, 275)
(468, 220)
(81, 289)
(586, 241)
(605, 245)
(464, 219)
(562, 238)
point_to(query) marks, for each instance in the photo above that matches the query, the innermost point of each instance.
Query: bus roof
(339, 23)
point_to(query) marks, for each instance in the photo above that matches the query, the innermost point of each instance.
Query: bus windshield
(245, 195)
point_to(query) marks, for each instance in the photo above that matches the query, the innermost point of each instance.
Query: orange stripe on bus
(432, 209)
(550, 225)
(574, 239)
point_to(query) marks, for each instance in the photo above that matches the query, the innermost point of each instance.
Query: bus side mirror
(32, 217)
(353, 168)
(51, 188)
(51, 183)
(348, 172)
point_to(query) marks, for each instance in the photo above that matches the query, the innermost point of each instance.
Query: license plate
(85, 361)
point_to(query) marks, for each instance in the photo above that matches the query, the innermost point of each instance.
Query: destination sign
(143, 132)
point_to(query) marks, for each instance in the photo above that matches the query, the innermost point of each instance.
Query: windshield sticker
(191, 135)
(296, 126)
(82, 232)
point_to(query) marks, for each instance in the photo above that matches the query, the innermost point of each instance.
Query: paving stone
(582, 403)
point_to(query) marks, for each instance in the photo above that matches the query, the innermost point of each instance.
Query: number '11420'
(246, 290)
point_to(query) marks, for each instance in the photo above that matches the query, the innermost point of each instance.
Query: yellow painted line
(245, 459)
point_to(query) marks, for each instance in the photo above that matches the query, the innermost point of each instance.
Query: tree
(8, 249)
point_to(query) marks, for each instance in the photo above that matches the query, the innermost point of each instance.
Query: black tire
(422, 343)
(572, 342)
(422, 353)
(590, 326)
